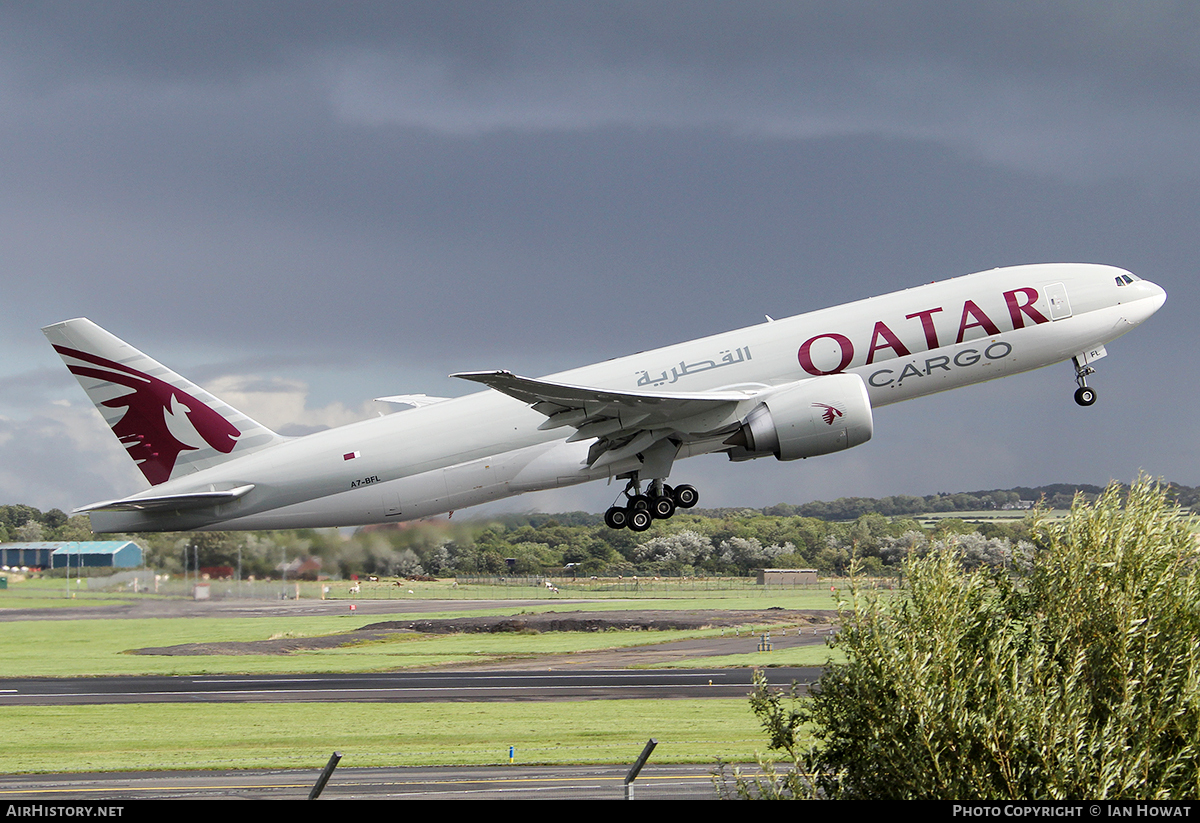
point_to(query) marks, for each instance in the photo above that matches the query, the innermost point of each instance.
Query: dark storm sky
(303, 206)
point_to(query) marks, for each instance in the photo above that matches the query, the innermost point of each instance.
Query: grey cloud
(63, 457)
(1118, 41)
(1052, 89)
(365, 197)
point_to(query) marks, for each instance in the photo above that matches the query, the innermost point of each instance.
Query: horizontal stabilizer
(194, 500)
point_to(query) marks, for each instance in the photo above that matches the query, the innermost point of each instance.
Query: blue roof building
(122, 554)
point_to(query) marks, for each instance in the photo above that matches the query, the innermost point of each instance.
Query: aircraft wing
(414, 400)
(624, 422)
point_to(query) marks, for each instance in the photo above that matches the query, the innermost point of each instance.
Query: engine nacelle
(818, 416)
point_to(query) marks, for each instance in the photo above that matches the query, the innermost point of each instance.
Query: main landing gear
(641, 510)
(1084, 395)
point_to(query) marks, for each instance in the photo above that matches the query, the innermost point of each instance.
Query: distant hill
(1054, 495)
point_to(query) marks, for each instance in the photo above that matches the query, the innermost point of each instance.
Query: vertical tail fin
(169, 426)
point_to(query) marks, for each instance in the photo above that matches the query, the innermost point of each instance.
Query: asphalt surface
(237, 607)
(397, 687)
(605, 782)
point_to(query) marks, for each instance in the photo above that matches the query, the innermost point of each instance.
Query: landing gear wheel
(640, 520)
(1084, 395)
(662, 507)
(616, 517)
(686, 496)
(638, 501)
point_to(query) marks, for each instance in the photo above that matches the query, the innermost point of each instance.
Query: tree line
(878, 533)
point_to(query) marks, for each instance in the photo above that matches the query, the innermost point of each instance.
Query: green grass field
(667, 593)
(69, 648)
(74, 648)
(302, 735)
(299, 735)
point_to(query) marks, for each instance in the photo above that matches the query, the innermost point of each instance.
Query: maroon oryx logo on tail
(831, 412)
(145, 429)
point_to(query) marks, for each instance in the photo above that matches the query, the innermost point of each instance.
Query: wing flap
(655, 409)
(624, 423)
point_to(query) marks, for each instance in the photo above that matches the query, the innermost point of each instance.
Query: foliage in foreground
(1073, 675)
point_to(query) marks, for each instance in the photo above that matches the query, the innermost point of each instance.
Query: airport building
(787, 577)
(121, 554)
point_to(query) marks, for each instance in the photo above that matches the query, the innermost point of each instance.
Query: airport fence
(466, 588)
(462, 588)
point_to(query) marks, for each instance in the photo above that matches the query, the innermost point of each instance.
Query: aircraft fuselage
(485, 446)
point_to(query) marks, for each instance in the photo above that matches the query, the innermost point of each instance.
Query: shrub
(1072, 675)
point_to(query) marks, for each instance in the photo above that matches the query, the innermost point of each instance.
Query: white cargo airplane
(793, 388)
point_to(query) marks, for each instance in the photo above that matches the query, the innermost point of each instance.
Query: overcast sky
(303, 206)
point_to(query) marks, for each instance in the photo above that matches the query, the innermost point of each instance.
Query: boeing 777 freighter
(790, 389)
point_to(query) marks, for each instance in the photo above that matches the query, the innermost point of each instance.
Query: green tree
(30, 532)
(1076, 674)
(77, 528)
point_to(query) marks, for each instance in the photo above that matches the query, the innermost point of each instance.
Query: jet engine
(817, 416)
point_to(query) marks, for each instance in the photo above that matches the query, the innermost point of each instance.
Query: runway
(604, 782)
(400, 687)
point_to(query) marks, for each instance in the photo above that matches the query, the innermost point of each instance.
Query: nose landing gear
(1084, 395)
(641, 510)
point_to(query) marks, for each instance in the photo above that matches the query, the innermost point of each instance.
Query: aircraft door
(1056, 296)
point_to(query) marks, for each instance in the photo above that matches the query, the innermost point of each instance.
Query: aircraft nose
(1144, 299)
(1155, 293)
